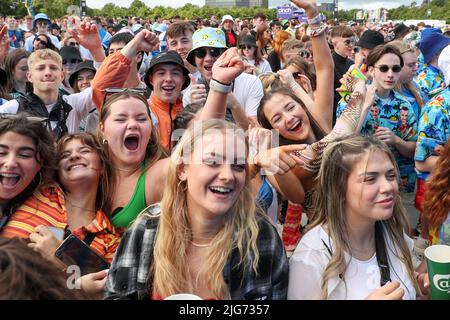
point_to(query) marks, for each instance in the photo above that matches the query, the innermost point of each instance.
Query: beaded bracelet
(315, 31)
(317, 19)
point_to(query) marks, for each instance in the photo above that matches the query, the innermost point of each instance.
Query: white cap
(444, 64)
(227, 17)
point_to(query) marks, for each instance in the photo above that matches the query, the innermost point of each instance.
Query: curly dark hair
(25, 275)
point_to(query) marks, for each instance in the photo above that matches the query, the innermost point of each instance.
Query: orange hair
(280, 37)
(437, 198)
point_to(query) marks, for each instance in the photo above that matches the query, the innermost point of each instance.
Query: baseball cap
(370, 39)
(167, 57)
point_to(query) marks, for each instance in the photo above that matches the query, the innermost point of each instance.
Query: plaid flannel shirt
(128, 275)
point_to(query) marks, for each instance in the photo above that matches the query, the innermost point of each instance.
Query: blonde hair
(44, 54)
(403, 47)
(338, 160)
(170, 271)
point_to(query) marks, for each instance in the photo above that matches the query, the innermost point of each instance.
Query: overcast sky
(344, 4)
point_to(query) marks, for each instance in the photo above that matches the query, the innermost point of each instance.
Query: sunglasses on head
(247, 46)
(111, 91)
(213, 52)
(384, 68)
(41, 41)
(72, 61)
(41, 120)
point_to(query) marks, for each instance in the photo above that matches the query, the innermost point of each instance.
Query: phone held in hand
(74, 251)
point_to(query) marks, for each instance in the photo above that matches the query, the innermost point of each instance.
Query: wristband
(317, 19)
(220, 87)
(294, 86)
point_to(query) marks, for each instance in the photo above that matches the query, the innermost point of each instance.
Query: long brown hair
(338, 161)
(103, 193)
(437, 198)
(11, 61)
(403, 47)
(261, 117)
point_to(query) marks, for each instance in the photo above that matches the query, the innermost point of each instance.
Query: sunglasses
(356, 49)
(109, 92)
(384, 68)
(248, 47)
(73, 44)
(41, 41)
(349, 42)
(213, 52)
(71, 61)
(304, 54)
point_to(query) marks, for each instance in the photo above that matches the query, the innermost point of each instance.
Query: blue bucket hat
(431, 44)
(162, 27)
(40, 16)
(206, 37)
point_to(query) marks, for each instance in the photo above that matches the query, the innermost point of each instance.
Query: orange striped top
(47, 207)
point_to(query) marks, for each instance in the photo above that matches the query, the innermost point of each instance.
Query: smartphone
(74, 251)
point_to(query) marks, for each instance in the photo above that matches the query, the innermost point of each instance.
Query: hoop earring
(104, 142)
(41, 179)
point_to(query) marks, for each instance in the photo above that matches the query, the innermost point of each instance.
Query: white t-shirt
(262, 67)
(307, 265)
(247, 88)
(81, 104)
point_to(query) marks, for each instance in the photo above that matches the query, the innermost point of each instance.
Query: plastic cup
(438, 262)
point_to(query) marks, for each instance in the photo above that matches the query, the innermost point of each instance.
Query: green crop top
(122, 217)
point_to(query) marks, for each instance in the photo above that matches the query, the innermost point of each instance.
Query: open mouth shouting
(9, 180)
(131, 142)
(296, 127)
(208, 67)
(168, 89)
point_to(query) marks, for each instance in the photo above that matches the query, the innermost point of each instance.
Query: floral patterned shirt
(395, 113)
(434, 127)
(430, 80)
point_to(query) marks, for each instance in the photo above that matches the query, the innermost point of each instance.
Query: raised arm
(323, 62)
(87, 35)
(227, 68)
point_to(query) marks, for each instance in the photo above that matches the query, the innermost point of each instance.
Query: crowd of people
(227, 158)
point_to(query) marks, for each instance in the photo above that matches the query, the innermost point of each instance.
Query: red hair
(437, 198)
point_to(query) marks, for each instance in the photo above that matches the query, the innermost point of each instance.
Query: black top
(341, 66)
(274, 61)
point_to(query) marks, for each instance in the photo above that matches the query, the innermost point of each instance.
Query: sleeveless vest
(33, 105)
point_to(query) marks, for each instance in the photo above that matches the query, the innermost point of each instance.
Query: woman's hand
(44, 242)
(286, 77)
(386, 135)
(278, 160)
(228, 66)
(390, 291)
(424, 285)
(259, 138)
(306, 4)
(93, 283)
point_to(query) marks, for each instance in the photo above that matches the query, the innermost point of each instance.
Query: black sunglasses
(304, 54)
(109, 92)
(248, 47)
(72, 61)
(384, 68)
(41, 41)
(73, 44)
(213, 52)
